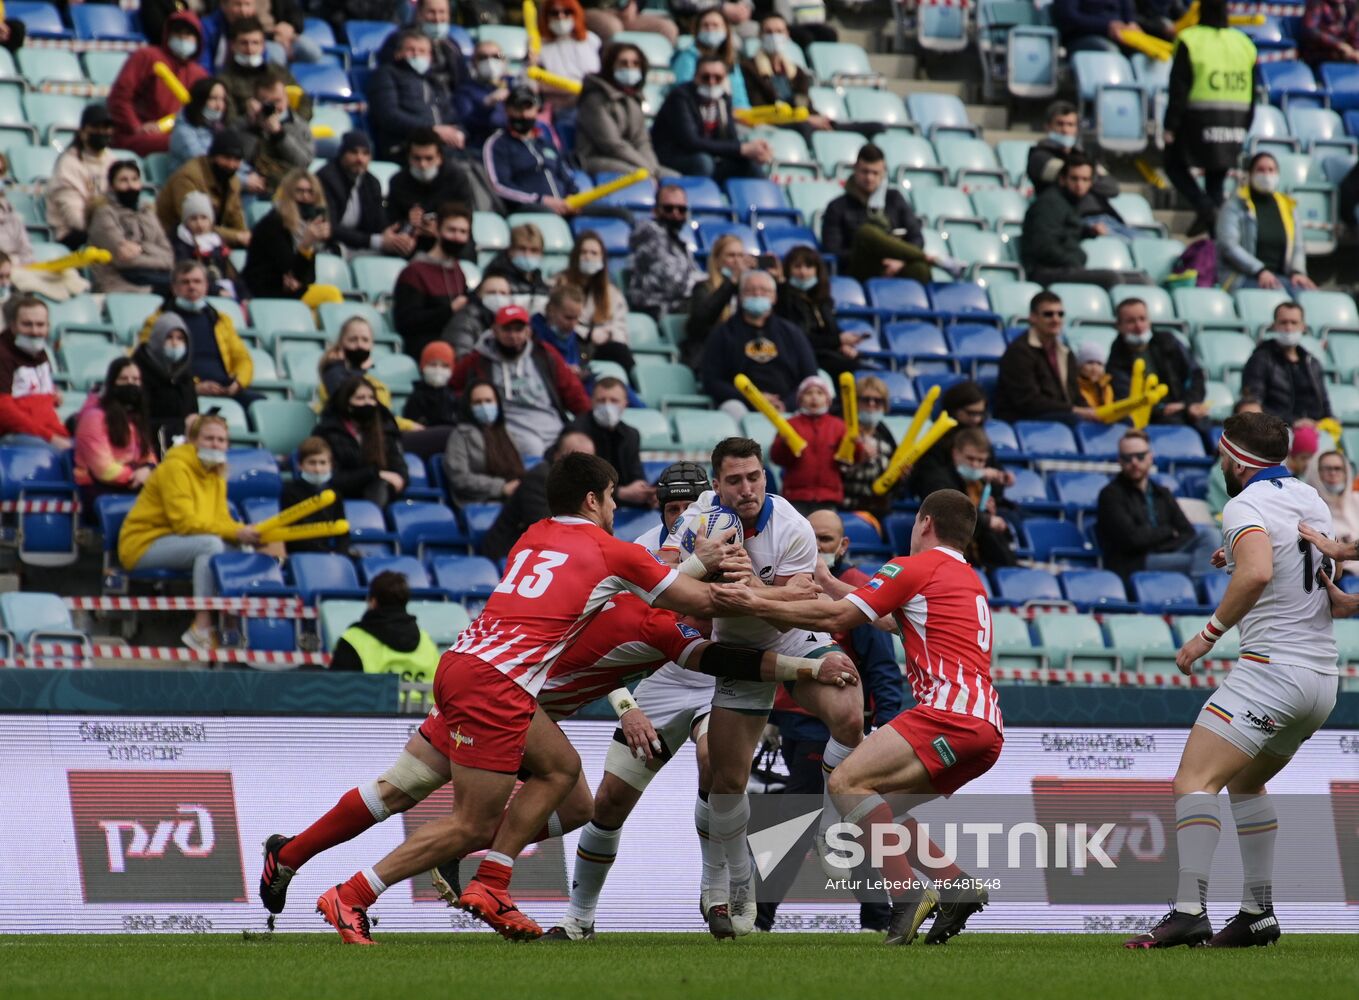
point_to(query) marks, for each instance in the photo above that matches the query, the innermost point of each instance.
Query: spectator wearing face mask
(528, 505)
(127, 227)
(199, 121)
(431, 288)
(1096, 387)
(569, 49)
(315, 475)
(247, 66)
(365, 443)
(476, 317)
(281, 260)
(713, 39)
(694, 132)
(433, 18)
(968, 473)
(1165, 357)
(521, 266)
(1259, 241)
(617, 442)
(410, 99)
(965, 402)
(811, 481)
(114, 450)
(1047, 155)
(771, 76)
(480, 100)
(197, 239)
(805, 300)
(432, 402)
(28, 394)
(215, 176)
(139, 99)
(421, 186)
(1333, 479)
(79, 176)
(876, 446)
(481, 462)
(661, 267)
(525, 167)
(602, 327)
(277, 137)
(167, 376)
(611, 132)
(1283, 376)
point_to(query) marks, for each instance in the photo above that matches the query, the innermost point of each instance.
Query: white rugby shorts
(1271, 708)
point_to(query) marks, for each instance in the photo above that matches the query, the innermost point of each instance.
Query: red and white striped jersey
(561, 572)
(624, 639)
(941, 611)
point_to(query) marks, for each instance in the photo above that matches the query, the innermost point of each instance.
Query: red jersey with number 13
(558, 576)
(941, 611)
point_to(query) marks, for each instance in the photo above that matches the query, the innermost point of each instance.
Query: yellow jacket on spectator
(235, 355)
(181, 498)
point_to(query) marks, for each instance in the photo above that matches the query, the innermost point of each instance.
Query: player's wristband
(693, 566)
(791, 668)
(1214, 630)
(622, 701)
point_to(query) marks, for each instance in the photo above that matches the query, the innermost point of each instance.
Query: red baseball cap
(511, 314)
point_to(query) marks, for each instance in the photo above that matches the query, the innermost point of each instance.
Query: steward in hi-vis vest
(387, 639)
(1212, 94)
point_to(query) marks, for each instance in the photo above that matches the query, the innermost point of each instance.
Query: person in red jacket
(139, 98)
(811, 481)
(28, 396)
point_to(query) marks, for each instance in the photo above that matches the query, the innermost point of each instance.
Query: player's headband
(1241, 456)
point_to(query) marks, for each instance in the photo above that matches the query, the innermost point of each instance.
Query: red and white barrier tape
(180, 654)
(1124, 678)
(83, 45)
(73, 89)
(250, 607)
(39, 506)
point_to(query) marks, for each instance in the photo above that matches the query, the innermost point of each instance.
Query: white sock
(1198, 825)
(714, 881)
(554, 826)
(595, 854)
(832, 757)
(729, 827)
(1257, 828)
(376, 884)
(372, 798)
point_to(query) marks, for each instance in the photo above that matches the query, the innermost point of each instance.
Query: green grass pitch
(665, 966)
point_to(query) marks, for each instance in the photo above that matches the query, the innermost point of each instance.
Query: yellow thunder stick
(903, 459)
(849, 405)
(535, 37)
(583, 198)
(795, 441)
(297, 511)
(554, 80)
(168, 77)
(1155, 393)
(771, 114)
(922, 413)
(304, 532)
(1148, 45)
(81, 258)
(1139, 378)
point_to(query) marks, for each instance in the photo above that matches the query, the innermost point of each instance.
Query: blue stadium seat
(105, 22)
(779, 240)
(1078, 491)
(368, 529)
(478, 518)
(899, 527)
(28, 473)
(408, 566)
(1016, 586)
(1290, 83)
(253, 574)
(975, 343)
(1095, 590)
(365, 39)
(422, 528)
(706, 199)
(899, 298)
(944, 380)
(1045, 438)
(320, 575)
(418, 486)
(1214, 588)
(615, 233)
(914, 340)
(1164, 593)
(900, 391)
(710, 230)
(1100, 441)
(1056, 541)
(465, 576)
(112, 509)
(1030, 492)
(962, 300)
(862, 532)
(1003, 438)
(629, 522)
(324, 81)
(252, 472)
(753, 199)
(1175, 443)
(41, 19)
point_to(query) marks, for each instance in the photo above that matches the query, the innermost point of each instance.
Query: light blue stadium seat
(1083, 303)
(971, 161)
(936, 113)
(1155, 256)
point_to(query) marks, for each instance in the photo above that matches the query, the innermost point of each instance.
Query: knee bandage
(414, 777)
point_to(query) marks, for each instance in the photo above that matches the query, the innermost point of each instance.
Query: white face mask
(774, 45)
(1290, 339)
(490, 70)
(251, 62)
(495, 303)
(591, 266)
(437, 375)
(420, 64)
(183, 46)
(1335, 489)
(1265, 183)
(814, 411)
(212, 456)
(1138, 339)
(424, 174)
(712, 92)
(607, 415)
(563, 26)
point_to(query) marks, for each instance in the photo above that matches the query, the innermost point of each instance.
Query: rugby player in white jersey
(1279, 693)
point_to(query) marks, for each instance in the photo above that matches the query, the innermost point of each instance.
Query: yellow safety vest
(417, 665)
(1223, 60)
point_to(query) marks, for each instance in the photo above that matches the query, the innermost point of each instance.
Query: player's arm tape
(622, 701)
(737, 662)
(693, 566)
(1214, 630)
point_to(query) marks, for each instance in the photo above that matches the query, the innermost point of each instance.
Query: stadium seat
(700, 430)
(38, 473)
(1320, 131)
(911, 161)
(1083, 303)
(423, 528)
(39, 618)
(1073, 642)
(1156, 256)
(1206, 309)
(367, 37)
(1046, 439)
(253, 574)
(711, 230)
(1176, 443)
(319, 576)
(975, 344)
(969, 161)
(251, 472)
(1017, 586)
(665, 384)
(105, 23)
(1290, 83)
(1107, 253)
(1159, 592)
(1140, 638)
(987, 254)
(368, 530)
(755, 198)
(111, 509)
(1030, 492)
(864, 537)
(1014, 160)
(1011, 302)
(651, 425)
(408, 566)
(898, 527)
(898, 298)
(878, 107)
(936, 113)
(1222, 352)
(42, 20)
(900, 391)
(780, 240)
(1078, 491)
(335, 617)
(1099, 442)
(1056, 541)
(839, 62)
(1012, 643)
(1003, 207)
(914, 340)
(1095, 589)
(465, 577)
(1329, 311)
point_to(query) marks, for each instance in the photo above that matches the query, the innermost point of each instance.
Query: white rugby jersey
(1291, 623)
(653, 539)
(782, 543)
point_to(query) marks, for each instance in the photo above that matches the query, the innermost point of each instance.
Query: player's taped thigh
(411, 775)
(637, 772)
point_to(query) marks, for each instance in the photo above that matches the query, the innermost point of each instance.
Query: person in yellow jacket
(1097, 386)
(1259, 241)
(181, 520)
(220, 362)
(387, 639)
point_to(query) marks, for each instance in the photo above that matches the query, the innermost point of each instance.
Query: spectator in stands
(1093, 25)
(387, 639)
(196, 239)
(617, 442)
(365, 443)
(1333, 478)
(556, 326)
(481, 462)
(432, 402)
(607, 18)
(337, 12)
(433, 18)
(1285, 377)
(774, 353)
(198, 123)
(968, 473)
(114, 450)
(1259, 240)
(1047, 155)
(695, 134)
(1329, 32)
(167, 376)
(805, 301)
(872, 229)
(245, 66)
(1303, 449)
(410, 98)
(521, 264)
(1166, 357)
(1206, 120)
(427, 181)
(811, 481)
(661, 265)
(714, 300)
(611, 133)
(215, 176)
(315, 472)
(14, 240)
(1096, 385)
(569, 49)
(713, 39)
(281, 260)
(221, 364)
(431, 288)
(539, 389)
(602, 329)
(127, 227)
(139, 99)
(6, 283)
(13, 33)
(875, 447)
(1217, 484)
(277, 138)
(181, 518)
(477, 316)
(965, 402)
(528, 504)
(280, 19)
(525, 168)
(771, 77)
(480, 100)
(1038, 377)
(1050, 246)
(1141, 526)
(353, 196)
(79, 176)
(28, 395)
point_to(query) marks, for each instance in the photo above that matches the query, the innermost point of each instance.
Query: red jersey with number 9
(941, 611)
(558, 577)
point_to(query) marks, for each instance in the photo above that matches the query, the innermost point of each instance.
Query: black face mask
(508, 352)
(355, 356)
(98, 141)
(221, 174)
(452, 248)
(673, 224)
(363, 414)
(128, 396)
(308, 212)
(128, 199)
(522, 126)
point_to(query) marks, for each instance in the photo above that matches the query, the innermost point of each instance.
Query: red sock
(495, 871)
(346, 820)
(357, 891)
(932, 870)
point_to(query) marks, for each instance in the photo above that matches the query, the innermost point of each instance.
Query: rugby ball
(718, 520)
